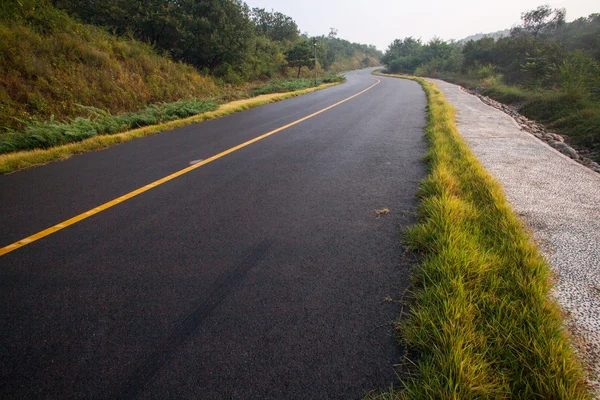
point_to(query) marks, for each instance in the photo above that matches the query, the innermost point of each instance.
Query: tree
(537, 24)
(213, 34)
(299, 56)
(403, 55)
(543, 20)
(480, 51)
(275, 25)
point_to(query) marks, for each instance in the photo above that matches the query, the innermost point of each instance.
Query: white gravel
(557, 198)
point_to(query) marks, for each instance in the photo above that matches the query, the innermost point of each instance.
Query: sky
(379, 22)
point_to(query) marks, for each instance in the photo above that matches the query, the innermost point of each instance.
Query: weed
(289, 85)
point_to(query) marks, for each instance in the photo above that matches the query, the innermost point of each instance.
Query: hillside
(65, 59)
(51, 65)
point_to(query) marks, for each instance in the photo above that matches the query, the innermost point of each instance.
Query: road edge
(465, 348)
(13, 162)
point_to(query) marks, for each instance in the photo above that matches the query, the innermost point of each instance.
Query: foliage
(542, 20)
(51, 67)
(222, 37)
(276, 26)
(41, 135)
(289, 85)
(213, 34)
(301, 55)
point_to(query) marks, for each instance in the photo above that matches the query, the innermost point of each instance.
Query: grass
(482, 320)
(41, 135)
(50, 65)
(289, 85)
(15, 161)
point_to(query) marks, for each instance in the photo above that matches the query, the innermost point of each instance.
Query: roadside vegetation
(482, 319)
(15, 161)
(72, 70)
(547, 68)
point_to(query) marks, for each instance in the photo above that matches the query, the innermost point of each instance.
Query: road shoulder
(12, 162)
(558, 199)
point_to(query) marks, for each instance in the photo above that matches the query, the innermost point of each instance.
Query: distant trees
(542, 20)
(542, 51)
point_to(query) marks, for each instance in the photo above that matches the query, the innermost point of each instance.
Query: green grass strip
(43, 135)
(482, 321)
(15, 161)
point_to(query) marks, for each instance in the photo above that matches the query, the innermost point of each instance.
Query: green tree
(403, 55)
(274, 25)
(300, 55)
(539, 24)
(216, 35)
(542, 20)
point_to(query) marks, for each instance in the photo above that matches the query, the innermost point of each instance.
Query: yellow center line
(100, 208)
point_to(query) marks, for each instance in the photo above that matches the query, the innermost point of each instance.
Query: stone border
(553, 139)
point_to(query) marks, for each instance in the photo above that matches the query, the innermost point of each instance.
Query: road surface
(261, 274)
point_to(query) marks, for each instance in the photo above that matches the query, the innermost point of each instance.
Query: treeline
(547, 67)
(223, 38)
(543, 51)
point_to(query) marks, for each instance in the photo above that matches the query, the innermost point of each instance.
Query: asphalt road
(260, 275)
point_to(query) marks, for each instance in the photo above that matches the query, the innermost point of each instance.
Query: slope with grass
(482, 319)
(51, 65)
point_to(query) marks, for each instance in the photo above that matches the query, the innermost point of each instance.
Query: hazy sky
(379, 22)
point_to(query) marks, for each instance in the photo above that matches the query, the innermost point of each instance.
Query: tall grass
(482, 321)
(50, 65)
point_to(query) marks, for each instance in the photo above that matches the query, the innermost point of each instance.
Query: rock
(566, 149)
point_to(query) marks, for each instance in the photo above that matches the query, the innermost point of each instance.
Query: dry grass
(25, 159)
(51, 65)
(482, 320)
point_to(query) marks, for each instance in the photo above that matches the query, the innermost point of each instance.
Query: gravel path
(557, 198)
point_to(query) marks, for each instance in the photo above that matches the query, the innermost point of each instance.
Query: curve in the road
(263, 274)
(62, 225)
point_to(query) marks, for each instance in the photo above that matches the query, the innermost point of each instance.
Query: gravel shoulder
(557, 198)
